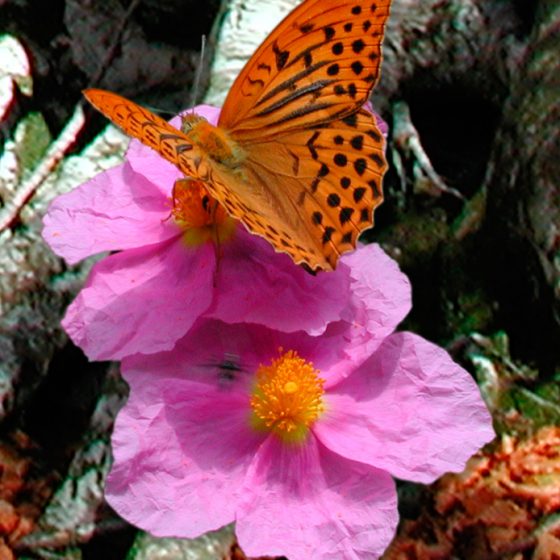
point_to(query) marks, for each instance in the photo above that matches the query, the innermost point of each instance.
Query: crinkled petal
(381, 296)
(150, 164)
(200, 354)
(181, 452)
(117, 209)
(306, 502)
(409, 409)
(141, 300)
(156, 171)
(258, 285)
(210, 347)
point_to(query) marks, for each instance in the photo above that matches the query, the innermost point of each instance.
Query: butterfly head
(190, 121)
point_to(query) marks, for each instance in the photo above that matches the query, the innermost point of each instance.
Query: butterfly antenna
(198, 75)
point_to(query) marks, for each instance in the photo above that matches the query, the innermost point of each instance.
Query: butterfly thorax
(212, 140)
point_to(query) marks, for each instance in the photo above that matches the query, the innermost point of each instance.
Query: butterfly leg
(177, 186)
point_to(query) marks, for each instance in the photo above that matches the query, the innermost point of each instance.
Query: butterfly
(295, 156)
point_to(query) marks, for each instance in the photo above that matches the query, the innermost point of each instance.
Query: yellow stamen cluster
(288, 397)
(201, 217)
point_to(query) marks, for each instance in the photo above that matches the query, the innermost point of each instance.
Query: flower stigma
(201, 217)
(288, 397)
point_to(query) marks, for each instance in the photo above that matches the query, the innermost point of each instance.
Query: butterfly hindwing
(335, 183)
(296, 111)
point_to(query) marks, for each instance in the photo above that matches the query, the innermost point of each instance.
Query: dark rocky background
(471, 92)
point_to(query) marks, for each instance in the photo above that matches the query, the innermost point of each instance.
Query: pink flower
(294, 437)
(146, 296)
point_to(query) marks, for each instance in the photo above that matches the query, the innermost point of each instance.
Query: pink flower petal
(305, 502)
(199, 354)
(141, 300)
(381, 296)
(409, 410)
(181, 453)
(157, 171)
(117, 209)
(258, 285)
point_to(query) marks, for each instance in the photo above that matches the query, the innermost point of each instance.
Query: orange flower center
(288, 397)
(201, 217)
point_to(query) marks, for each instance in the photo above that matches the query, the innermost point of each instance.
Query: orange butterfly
(295, 157)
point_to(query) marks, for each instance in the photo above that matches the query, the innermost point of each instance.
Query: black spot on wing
(327, 234)
(306, 27)
(281, 56)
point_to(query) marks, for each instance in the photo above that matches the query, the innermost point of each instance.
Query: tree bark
(481, 78)
(523, 183)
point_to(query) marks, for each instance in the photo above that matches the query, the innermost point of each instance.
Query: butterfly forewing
(318, 65)
(150, 129)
